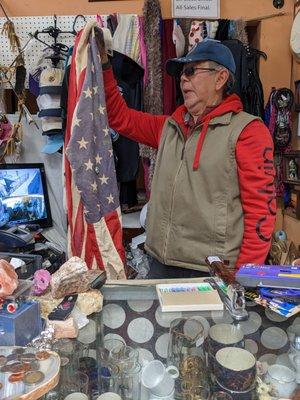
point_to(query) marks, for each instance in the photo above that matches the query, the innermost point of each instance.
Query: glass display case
(131, 314)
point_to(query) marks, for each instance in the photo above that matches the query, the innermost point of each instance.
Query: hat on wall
(51, 80)
(207, 50)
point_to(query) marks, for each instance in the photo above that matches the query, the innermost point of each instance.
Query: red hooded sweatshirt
(254, 157)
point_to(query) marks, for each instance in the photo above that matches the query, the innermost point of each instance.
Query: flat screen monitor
(23, 195)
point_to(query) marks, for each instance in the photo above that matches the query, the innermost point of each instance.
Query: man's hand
(101, 45)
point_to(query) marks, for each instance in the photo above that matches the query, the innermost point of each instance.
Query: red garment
(168, 51)
(254, 156)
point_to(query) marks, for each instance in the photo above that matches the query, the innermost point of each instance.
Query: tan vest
(196, 213)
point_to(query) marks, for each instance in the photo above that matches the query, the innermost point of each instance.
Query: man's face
(199, 87)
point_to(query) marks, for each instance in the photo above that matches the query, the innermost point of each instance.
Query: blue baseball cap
(207, 50)
(54, 143)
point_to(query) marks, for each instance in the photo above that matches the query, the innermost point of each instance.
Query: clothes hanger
(74, 32)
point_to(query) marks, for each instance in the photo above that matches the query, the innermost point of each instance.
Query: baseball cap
(207, 50)
(51, 80)
(54, 143)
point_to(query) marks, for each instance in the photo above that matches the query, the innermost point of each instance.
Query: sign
(205, 9)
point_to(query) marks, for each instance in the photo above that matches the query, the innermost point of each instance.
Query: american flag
(94, 216)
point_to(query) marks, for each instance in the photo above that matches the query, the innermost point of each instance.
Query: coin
(2, 361)
(16, 377)
(42, 355)
(19, 350)
(12, 357)
(27, 367)
(5, 368)
(13, 364)
(34, 366)
(27, 357)
(15, 369)
(64, 361)
(33, 377)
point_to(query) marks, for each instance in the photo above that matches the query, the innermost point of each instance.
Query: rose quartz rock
(8, 279)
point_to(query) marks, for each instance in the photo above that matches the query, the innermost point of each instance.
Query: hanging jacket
(190, 216)
(247, 81)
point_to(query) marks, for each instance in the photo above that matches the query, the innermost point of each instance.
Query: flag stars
(106, 131)
(101, 109)
(98, 206)
(76, 121)
(95, 138)
(98, 159)
(104, 179)
(94, 186)
(89, 165)
(82, 143)
(88, 93)
(93, 68)
(110, 199)
(111, 152)
(92, 116)
(95, 89)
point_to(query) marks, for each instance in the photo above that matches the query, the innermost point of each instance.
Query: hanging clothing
(129, 76)
(153, 94)
(247, 81)
(169, 83)
(223, 29)
(95, 231)
(126, 36)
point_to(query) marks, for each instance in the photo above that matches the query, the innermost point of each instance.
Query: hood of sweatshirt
(231, 103)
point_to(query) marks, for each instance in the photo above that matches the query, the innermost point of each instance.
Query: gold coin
(33, 377)
(42, 355)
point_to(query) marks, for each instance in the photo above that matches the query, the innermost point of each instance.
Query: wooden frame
(293, 210)
(288, 178)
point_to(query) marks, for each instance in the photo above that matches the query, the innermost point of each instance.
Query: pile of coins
(23, 366)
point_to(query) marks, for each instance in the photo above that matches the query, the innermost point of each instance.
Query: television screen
(23, 195)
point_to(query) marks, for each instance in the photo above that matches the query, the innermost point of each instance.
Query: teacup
(235, 368)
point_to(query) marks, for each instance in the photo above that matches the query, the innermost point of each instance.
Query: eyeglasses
(190, 71)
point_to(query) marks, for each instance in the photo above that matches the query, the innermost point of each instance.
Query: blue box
(19, 328)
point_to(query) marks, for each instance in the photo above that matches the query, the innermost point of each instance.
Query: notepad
(188, 297)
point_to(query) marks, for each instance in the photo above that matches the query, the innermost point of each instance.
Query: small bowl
(235, 368)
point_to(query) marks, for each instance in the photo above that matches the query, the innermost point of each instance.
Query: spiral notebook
(188, 297)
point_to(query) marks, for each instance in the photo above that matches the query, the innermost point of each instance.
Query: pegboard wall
(34, 50)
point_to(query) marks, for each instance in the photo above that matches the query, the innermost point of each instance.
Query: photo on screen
(22, 196)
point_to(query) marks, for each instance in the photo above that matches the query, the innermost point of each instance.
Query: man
(212, 190)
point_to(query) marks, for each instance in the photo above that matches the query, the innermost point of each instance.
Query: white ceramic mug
(158, 379)
(282, 379)
(109, 396)
(76, 396)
